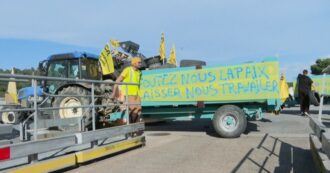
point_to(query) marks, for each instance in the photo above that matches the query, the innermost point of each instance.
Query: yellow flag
(162, 48)
(172, 58)
(284, 88)
(114, 43)
(11, 94)
(106, 61)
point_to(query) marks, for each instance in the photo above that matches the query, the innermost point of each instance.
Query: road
(279, 143)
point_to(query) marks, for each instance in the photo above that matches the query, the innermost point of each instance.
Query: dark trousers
(304, 101)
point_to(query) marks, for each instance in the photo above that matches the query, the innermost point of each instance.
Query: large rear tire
(229, 121)
(77, 96)
(192, 63)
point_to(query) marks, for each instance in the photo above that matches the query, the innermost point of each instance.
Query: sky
(219, 32)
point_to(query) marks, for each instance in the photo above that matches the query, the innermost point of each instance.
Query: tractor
(65, 94)
(77, 65)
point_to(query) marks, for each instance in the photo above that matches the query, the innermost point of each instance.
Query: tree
(319, 65)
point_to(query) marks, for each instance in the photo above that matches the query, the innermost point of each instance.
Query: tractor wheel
(77, 96)
(229, 121)
(152, 60)
(192, 63)
(164, 66)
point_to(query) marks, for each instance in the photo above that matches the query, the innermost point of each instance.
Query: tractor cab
(75, 65)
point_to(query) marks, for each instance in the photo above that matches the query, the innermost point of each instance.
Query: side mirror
(42, 68)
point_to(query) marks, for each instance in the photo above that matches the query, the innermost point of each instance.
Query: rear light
(4, 153)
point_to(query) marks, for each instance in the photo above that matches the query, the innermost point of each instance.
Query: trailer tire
(77, 98)
(152, 60)
(192, 63)
(167, 65)
(229, 121)
(154, 66)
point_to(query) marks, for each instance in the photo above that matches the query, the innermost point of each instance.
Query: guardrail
(320, 139)
(32, 148)
(322, 97)
(37, 109)
(70, 150)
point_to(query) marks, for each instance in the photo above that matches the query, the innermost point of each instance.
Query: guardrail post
(127, 106)
(33, 158)
(21, 131)
(93, 106)
(322, 98)
(35, 136)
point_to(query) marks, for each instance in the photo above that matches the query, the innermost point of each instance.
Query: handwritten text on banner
(239, 82)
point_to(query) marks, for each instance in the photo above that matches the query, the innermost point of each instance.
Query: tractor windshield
(74, 69)
(57, 69)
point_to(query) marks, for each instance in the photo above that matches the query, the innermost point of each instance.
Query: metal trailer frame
(49, 154)
(320, 139)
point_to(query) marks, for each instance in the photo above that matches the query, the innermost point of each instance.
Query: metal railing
(36, 110)
(322, 96)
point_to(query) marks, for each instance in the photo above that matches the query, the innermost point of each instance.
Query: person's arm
(115, 87)
(120, 78)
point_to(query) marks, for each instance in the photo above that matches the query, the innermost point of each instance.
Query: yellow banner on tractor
(254, 81)
(106, 61)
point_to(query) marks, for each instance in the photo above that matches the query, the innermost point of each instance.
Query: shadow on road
(195, 125)
(297, 112)
(291, 158)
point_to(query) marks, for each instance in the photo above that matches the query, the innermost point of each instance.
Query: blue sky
(217, 31)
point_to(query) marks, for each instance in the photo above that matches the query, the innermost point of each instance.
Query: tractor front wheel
(73, 96)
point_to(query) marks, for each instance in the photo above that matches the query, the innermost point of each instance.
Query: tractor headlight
(31, 99)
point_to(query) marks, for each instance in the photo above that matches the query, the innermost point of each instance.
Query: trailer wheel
(229, 121)
(191, 63)
(77, 96)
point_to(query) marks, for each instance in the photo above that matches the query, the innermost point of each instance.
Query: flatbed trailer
(229, 95)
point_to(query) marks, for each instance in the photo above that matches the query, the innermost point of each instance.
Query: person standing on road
(131, 74)
(304, 88)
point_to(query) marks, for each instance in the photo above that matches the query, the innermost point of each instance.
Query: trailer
(229, 95)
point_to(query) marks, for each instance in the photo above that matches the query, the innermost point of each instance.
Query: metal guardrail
(320, 139)
(36, 109)
(35, 147)
(31, 149)
(322, 97)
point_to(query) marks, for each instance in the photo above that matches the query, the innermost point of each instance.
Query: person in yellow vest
(131, 74)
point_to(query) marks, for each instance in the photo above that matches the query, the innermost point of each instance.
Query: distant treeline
(3, 84)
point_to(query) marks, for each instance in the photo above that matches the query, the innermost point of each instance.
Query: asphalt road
(279, 143)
